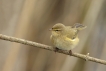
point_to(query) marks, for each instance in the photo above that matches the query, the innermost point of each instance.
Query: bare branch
(26, 42)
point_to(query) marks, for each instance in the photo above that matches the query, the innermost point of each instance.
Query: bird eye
(56, 30)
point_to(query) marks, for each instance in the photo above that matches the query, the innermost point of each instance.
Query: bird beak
(50, 29)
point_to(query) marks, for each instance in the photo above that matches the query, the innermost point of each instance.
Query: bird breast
(63, 42)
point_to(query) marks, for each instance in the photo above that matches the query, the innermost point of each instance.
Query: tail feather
(79, 26)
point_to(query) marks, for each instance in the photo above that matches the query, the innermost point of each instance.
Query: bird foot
(56, 49)
(70, 53)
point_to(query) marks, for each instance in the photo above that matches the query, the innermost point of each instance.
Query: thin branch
(26, 42)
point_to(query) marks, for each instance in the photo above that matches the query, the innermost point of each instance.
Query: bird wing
(71, 32)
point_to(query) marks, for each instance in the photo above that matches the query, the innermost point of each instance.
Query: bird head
(58, 29)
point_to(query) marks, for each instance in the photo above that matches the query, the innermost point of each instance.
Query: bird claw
(56, 49)
(70, 53)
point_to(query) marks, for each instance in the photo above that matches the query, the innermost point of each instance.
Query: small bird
(65, 37)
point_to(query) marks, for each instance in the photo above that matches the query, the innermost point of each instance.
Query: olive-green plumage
(65, 37)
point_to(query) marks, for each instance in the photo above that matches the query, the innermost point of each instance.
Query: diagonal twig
(39, 45)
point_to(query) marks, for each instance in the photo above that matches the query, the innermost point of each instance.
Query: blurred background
(32, 19)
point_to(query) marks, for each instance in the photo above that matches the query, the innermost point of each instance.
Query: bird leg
(56, 49)
(70, 52)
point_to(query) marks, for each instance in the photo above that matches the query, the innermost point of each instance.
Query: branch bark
(39, 45)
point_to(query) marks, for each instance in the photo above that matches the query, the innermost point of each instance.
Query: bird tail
(79, 26)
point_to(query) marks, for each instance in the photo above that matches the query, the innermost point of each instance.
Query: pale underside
(64, 42)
